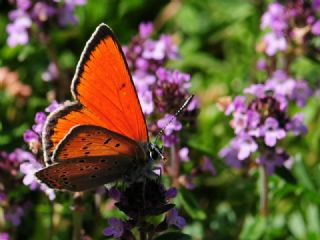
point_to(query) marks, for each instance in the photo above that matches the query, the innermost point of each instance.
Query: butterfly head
(155, 152)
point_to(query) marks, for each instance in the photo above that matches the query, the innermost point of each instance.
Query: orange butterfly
(102, 136)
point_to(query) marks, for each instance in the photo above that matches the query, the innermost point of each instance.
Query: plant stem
(77, 218)
(263, 191)
(50, 230)
(143, 235)
(175, 165)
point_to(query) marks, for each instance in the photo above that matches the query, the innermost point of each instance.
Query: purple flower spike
(272, 132)
(174, 219)
(115, 229)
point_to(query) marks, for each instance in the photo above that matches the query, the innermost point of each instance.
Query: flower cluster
(21, 161)
(289, 24)
(39, 13)
(138, 201)
(160, 90)
(33, 136)
(260, 120)
(31, 164)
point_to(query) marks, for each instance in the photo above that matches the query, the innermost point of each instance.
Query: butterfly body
(102, 136)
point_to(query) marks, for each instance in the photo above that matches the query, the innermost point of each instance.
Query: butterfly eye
(154, 154)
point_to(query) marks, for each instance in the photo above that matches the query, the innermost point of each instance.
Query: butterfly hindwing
(80, 174)
(90, 141)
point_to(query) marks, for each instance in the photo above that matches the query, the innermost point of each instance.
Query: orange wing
(103, 84)
(105, 95)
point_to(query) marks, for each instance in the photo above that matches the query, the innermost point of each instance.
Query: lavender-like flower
(39, 12)
(261, 122)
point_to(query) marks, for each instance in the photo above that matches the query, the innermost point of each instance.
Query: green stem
(264, 208)
(77, 218)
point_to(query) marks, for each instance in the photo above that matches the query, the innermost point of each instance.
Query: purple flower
(115, 229)
(175, 125)
(238, 105)
(51, 73)
(173, 218)
(29, 166)
(23, 4)
(272, 132)
(230, 154)
(258, 90)
(145, 29)
(53, 106)
(261, 64)
(30, 136)
(316, 28)
(18, 29)
(272, 159)
(146, 101)
(14, 215)
(296, 125)
(274, 43)
(184, 154)
(4, 236)
(274, 18)
(171, 193)
(301, 93)
(42, 11)
(207, 166)
(316, 5)
(246, 146)
(40, 119)
(281, 84)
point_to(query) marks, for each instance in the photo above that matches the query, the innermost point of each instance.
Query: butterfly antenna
(185, 104)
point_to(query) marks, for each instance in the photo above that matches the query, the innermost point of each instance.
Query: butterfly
(102, 136)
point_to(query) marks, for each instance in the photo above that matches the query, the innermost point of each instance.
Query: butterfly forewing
(104, 92)
(103, 84)
(80, 174)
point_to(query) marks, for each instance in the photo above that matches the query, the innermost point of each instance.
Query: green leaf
(302, 174)
(190, 205)
(173, 236)
(297, 225)
(254, 228)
